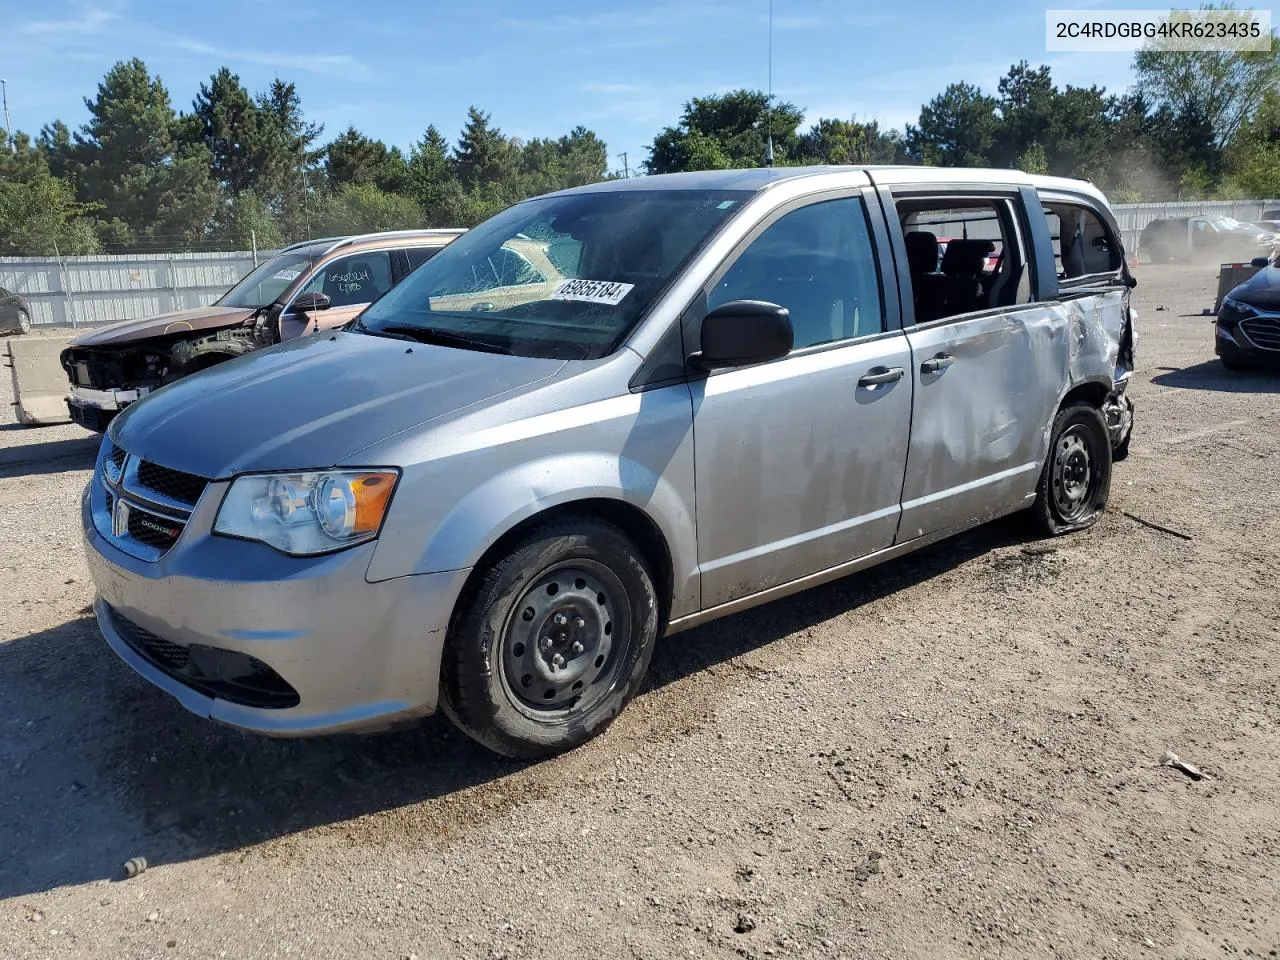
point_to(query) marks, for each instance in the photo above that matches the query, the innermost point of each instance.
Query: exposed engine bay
(107, 378)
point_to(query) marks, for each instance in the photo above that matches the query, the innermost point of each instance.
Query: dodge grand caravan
(491, 493)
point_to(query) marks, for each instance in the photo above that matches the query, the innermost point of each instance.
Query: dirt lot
(953, 755)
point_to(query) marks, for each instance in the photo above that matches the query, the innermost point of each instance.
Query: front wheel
(552, 642)
(24, 322)
(1076, 479)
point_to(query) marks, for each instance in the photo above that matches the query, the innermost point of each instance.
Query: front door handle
(881, 375)
(940, 362)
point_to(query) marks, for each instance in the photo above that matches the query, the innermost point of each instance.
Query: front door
(799, 462)
(351, 283)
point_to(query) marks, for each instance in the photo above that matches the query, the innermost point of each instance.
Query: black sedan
(1247, 332)
(15, 313)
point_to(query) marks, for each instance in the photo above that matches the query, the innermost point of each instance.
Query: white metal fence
(74, 291)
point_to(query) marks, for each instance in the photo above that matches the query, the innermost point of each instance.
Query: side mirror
(1260, 262)
(310, 302)
(743, 332)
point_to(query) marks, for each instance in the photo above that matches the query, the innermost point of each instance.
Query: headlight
(1233, 311)
(307, 513)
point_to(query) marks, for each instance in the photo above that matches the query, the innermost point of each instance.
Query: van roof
(759, 178)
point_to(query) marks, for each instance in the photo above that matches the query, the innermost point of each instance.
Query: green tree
(290, 168)
(226, 120)
(1220, 88)
(40, 217)
(151, 188)
(364, 208)
(358, 160)
(730, 130)
(831, 141)
(245, 220)
(483, 156)
(957, 128)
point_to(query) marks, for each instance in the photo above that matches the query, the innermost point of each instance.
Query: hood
(202, 318)
(312, 402)
(1260, 290)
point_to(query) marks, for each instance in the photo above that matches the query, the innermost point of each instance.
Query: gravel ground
(956, 754)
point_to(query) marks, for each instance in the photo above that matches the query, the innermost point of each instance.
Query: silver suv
(605, 414)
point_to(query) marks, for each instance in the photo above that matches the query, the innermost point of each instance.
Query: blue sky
(622, 68)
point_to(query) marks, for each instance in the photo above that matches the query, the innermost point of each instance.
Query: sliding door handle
(938, 363)
(879, 375)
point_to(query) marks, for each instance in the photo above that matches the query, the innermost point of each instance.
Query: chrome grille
(145, 506)
(1263, 331)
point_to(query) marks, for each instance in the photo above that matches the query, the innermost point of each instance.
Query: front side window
(820, 264)
(268, 282)
(562, 276)
(352, 280)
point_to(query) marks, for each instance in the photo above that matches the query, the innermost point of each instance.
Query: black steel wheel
(552, 641)
(1076, 478)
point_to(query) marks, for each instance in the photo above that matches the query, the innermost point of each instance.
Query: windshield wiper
(447, 338)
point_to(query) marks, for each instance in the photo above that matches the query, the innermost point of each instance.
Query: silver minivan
(604, 415)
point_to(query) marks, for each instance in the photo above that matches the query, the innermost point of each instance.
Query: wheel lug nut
(579, 623)
(577, 647)
(545, 643)
(557, 660)
(560, 619)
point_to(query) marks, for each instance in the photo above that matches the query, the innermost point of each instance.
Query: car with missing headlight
(490, 494)
(308, 287)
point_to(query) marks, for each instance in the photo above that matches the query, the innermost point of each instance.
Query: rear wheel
(1076, 479)
(552, 642)
(1158, 253)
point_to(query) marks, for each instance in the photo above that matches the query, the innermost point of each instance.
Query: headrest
(966, 258)
(922, 251)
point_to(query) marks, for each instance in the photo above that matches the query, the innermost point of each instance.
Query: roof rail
(425, 232)
(309, 243)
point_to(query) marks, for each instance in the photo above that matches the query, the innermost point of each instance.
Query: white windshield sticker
(592, 291)
(285, 274)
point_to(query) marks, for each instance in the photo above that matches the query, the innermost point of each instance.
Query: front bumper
(1234, 346)
(94, 409)
(361, 656)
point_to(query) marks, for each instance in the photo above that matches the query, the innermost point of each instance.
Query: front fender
(501, 502)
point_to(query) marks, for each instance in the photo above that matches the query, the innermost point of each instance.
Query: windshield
(564, 276)
(1228, 223)
(265, 284)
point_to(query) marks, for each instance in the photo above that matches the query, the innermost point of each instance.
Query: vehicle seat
(928, 287)
(962, 266)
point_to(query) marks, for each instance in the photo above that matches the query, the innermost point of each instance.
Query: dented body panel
(748, 482)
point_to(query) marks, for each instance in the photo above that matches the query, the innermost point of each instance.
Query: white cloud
(89, 20)
(329, 64)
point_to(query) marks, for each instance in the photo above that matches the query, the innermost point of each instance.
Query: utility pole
(626, 170)
(8, 127)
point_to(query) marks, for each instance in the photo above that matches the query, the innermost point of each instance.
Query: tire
(1076, 478)
(24, 322)
(526, 684)
(1158, 253)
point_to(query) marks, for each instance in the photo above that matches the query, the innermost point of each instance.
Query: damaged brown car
(310, 286)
